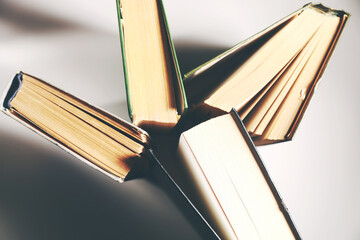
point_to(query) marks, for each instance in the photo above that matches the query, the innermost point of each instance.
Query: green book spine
(182, 101)
(120, 19)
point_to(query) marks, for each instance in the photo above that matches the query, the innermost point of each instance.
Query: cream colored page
(208, 152)
(253, 75)
(117, 124)
(206, 201)
(212, 62)
(149, 74)
(295, 98)
(278, 93)
(237, 180)
(254, 190)
(83, 140)
(253, 114)
(91, 122)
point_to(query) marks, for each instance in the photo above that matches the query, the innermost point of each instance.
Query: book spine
(262, 167)
(344, 17)
(11, 91)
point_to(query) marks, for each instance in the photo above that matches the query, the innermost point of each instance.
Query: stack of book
(195, 135)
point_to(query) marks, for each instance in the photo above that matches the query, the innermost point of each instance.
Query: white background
(47, 194)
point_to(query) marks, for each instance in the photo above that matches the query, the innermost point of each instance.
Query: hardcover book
(155, 92)
(229, 184)
(270, 77)
(105, 142)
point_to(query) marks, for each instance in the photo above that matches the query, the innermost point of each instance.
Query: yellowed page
(149, 73)
(260, 68)
(288, 111)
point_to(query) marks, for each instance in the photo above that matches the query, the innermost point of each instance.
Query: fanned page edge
(345, 17)
(203, 67)
(292, 130)
(145, 139)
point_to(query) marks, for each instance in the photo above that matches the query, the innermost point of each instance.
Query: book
(270, 77)
(117, 148)
(229, 184)
(155, 92)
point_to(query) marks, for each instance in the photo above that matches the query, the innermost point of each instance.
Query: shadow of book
(51, 195)
(28, 20)
(193, 54)
(119, 109)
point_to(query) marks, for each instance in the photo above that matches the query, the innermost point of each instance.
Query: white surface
(75, 46)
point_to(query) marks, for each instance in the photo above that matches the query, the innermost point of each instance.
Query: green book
(268, 78)
(155, 92)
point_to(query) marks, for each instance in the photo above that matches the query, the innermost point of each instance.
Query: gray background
(47, 194)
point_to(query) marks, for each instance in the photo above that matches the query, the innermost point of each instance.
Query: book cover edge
(5, 98)
(265, 173)
(130, 110)
(150, 152)
(176, 62)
